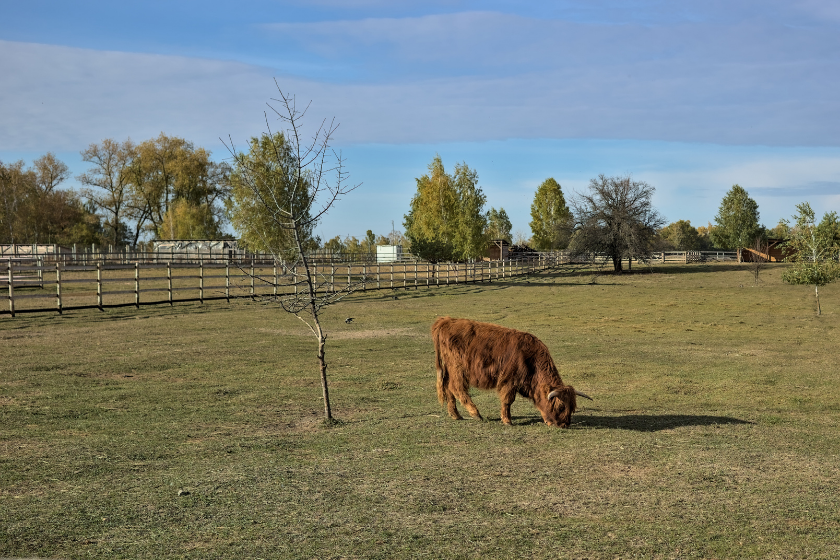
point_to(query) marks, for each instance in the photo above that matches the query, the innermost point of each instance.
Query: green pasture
(195, 431)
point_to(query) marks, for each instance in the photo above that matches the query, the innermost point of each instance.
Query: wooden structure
(497, 249)
(775, 252)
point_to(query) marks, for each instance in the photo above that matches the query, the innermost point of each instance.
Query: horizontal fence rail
(54, 282)
(686, 257)
(35, 285)
(91, 255)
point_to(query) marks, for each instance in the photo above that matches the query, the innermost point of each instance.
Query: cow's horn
(584, 395)
(553, 394)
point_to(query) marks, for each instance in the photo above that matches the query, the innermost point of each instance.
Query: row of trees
(447, 220)
(736, 225)
(615, 216)
(34, 210)
(165, 188)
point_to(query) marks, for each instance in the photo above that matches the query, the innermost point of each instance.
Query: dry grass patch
(713, 434)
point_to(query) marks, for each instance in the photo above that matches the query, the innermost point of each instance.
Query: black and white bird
(348, 320)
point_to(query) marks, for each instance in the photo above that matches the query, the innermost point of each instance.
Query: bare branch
(294, 191)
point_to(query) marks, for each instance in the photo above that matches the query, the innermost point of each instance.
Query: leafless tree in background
(615, 218)
(759, 257)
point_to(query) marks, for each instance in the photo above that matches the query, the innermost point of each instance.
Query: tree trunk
(322, 338)
(322, 362)
(817, 293)
(617, 266)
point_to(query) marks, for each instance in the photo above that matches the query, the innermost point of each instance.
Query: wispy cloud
(66, 96)
(812, 188)
(63, 98)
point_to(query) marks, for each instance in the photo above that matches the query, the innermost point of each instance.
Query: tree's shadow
(693, 268)
(638, 422)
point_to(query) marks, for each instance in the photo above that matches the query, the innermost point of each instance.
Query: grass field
(195, 431)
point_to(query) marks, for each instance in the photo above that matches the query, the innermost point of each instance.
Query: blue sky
(689, 96)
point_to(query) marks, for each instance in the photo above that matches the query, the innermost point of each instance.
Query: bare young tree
(759, 257)
(281, 200)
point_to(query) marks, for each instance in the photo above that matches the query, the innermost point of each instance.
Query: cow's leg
(463, 395)
(451, 407)
(507, 397)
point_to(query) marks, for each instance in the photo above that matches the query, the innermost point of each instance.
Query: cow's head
(561, 405)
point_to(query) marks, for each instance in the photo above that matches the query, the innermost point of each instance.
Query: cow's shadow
(638, 422)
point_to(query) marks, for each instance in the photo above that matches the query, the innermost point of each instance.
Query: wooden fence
(109, 254)
(95, 281)
(97, 286)
(687, 257)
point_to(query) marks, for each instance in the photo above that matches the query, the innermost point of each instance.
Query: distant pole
(58, 287)
(99, 285)
(11, 289)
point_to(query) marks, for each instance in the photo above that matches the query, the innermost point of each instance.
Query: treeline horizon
(167, 188)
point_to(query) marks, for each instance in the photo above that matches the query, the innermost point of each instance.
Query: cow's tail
(440, 366)
(442, 379)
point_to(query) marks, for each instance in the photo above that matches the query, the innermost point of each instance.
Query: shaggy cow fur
(472, 354)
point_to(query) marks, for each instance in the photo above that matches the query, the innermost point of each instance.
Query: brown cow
(472, 354)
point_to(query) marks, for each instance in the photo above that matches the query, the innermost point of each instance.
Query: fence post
(253, 293)
(227, 280)
(364, 277)
(169, 279)
(200, 280)
(332, 275)
(415, 275)
(137, 285)
(275, 278)
(294, 278)
(11, 289)
(58, 287)
(378, 276)
(99, 285)
(348, 277)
